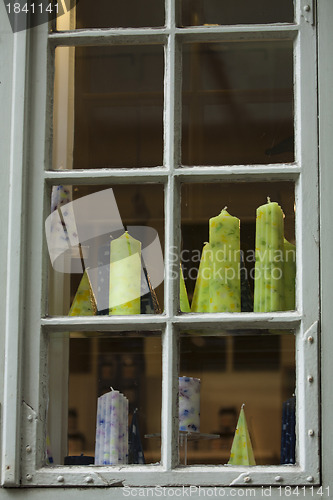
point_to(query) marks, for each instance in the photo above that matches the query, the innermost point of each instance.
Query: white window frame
(23, 427)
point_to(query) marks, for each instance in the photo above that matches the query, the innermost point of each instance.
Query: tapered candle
(200, 301)
(268, 279)
(289, 275)
(224, 283)
(183, 297)
(125, 275)
(241, 450)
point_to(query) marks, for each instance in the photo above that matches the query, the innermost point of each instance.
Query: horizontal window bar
(160, 174)
(126, 36)
(247, 172)
(101, 176)
(149, 322)
(279, 31)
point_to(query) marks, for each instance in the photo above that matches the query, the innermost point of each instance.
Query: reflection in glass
(254, 368)
(114, 96)
(129, 363)
(202, 203)
(212, 12)
(119, 14)
(237, 103)
(85, 224)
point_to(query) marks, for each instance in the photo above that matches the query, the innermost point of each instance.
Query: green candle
(289, 274)
(125, 275)
(224, 284)
(183, 297)
(200, 301)
(269, 267)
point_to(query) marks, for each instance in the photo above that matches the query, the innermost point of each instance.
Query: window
(178, 130)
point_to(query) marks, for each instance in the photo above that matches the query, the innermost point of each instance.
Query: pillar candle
(200, 301)
(116, 416)
(289, 275)
(125, 275)
(189, 404)
(224, 284)
(111, 447)
(268, 279)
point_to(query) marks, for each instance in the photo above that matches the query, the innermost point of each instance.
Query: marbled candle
(189, 404)
(200, 301)
(269, 267)
(125, 275)
(224, 283)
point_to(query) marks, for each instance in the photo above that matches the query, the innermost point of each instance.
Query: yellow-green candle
(224, 284)
(200, 301)
(183, 297)
(289, 275)
(125, 275)
(269, 267)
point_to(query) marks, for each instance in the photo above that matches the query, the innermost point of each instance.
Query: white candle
(189, 404)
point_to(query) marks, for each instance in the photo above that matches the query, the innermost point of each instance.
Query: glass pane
(86, 224)
(249, 263)
(238, 103)
(199, 12)
(108, 107)
(252, 368)
(85, 370)
(117, 14)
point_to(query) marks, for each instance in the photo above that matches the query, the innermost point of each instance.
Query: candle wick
(112, 389)
(268, 199)
(243, 406)
(225, 208)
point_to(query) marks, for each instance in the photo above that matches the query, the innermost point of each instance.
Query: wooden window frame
(23, 425)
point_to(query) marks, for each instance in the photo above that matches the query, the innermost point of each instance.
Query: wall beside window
(325, 13)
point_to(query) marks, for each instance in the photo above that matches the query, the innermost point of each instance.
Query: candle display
(84, 303)
(189, 404)
(183, 297)
(111, 447)
(269, 267)
(125, 275)
(224, 283)
(289, 275)
(241, 450)
(200, 301)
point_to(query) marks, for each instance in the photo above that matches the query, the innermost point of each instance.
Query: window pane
(238, 103)
(85, 224)
(118, 14)
(253, 263)
(235, 368)
(201, 12)
(129, 363)
(108, 107)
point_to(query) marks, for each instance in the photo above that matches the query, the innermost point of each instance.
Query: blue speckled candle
(189, 404)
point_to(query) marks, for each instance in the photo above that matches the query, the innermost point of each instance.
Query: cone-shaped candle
(183, 297)
(200, 301)
(241, 450)
(268, 279)
(84, 303)
(125, 275)
(224, 284)
(289, 275)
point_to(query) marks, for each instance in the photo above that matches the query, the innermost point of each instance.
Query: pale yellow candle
(200, 301)
(183, 297)
(224, 284)
(269, 268)
(125, 275)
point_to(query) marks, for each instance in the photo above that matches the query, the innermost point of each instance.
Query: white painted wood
(325, 74)
(305, 320)
(13, 324)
